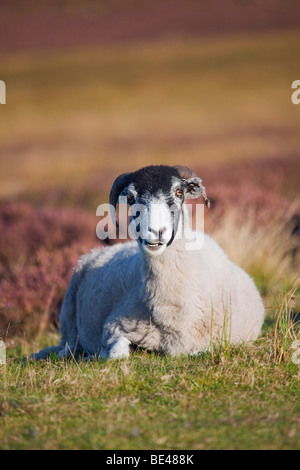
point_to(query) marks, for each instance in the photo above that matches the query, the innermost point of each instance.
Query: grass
(287, 328)
(152, 402)
(232, 398)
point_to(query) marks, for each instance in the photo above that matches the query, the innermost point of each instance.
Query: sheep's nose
(158, 233)
(161, 232)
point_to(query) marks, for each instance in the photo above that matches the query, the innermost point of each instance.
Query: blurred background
(94, 89)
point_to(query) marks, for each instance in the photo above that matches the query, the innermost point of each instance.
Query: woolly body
(117, 293)
(178, 302)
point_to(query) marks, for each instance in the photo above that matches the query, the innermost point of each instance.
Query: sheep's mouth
(153, 246)
(153, 249)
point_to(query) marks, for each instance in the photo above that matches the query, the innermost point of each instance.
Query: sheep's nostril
(161, 232)
(152, 230)
(158, 233)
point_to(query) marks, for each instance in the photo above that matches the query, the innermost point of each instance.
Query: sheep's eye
(130, 199)
(179, 193)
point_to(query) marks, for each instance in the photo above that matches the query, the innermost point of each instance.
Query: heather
(39, 248)
(255, 216)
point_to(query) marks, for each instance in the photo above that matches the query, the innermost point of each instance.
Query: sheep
(153, 292)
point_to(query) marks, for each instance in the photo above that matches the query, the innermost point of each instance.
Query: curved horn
(120, 183)
(185, 172)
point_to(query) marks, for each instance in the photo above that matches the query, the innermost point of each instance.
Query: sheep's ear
(193, 184)
(194, 189)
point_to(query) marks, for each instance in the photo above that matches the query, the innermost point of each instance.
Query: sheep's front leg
(115, 342)
(121, 331)
(119, 348)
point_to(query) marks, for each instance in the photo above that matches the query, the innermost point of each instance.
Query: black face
(160, 190)
(154, 180)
